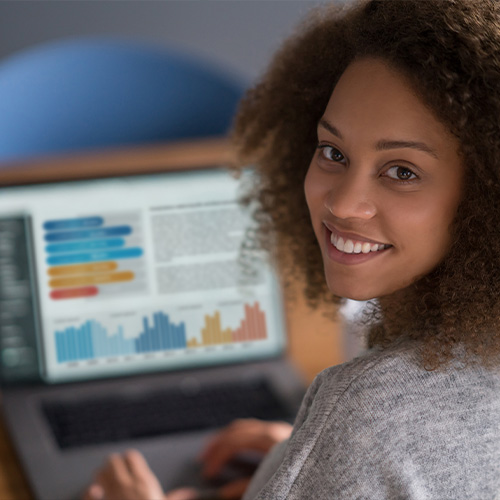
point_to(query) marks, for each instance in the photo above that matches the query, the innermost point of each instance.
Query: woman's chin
(359, 293)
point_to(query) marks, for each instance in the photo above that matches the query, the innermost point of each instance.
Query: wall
(240, 35)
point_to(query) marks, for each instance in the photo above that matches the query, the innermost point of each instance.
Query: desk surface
(315, 341)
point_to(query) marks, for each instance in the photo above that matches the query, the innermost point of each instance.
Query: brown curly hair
(450, 51)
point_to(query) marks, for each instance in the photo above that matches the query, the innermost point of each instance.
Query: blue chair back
(98, 92)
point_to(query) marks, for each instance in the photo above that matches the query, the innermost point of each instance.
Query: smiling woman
(397, 105)
(376, 135)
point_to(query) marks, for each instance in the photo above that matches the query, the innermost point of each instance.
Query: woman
(376, 136)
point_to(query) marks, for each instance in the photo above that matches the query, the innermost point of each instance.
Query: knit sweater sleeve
(381, 427)
(272, 461)
(316, 459)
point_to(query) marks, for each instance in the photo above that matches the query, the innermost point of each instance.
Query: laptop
(131, 315)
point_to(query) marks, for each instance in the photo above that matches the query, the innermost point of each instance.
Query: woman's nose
(352, 197)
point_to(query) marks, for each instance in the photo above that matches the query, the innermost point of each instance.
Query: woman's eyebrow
(384, 144)
(329, 127)
(419, 146)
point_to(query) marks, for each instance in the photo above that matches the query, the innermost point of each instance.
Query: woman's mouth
(347, 245)
(347, 249)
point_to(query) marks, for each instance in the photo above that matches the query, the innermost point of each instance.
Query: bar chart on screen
(94, 256)
(92, 340)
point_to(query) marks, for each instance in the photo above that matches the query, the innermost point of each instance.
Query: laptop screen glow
(118, 276)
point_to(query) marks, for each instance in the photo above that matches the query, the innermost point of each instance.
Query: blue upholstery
(97, 92)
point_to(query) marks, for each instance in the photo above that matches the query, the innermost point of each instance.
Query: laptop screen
(123, 275)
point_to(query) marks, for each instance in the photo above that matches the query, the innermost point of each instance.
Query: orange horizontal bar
(96, 279)
(95, 267)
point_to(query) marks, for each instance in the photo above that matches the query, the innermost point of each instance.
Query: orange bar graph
(92, 279)
(252, 327)
(94, 267)
(213, 333)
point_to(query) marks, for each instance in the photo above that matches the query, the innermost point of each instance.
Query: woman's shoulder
(382, 425)
(395, 378)
(371, 367)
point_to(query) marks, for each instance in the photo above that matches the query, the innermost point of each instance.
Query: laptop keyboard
(119, 418)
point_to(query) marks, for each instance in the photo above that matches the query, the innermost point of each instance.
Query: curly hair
(450, 52)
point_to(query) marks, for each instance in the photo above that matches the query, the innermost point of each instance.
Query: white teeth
(340, 244)
(349, 246)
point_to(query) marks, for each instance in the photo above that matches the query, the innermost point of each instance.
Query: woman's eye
(401, 174)
(332, 154)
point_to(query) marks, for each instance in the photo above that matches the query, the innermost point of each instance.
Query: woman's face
(383, 186)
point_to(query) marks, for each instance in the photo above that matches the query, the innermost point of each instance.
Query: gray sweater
(382, 427)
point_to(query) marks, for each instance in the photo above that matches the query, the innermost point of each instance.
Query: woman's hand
(239, 437)
(128, 477)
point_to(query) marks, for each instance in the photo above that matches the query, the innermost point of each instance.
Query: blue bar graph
(78, 246)
(88, 233)
(91, 340)
(57, 225)
(79, 258)
(161, 336)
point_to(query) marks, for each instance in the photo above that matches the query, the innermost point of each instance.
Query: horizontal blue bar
(77, 258)
(85, 245)
(57, 225)
(89, 234)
